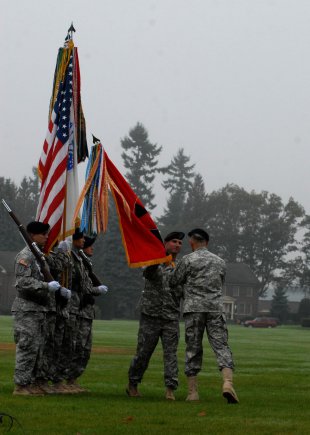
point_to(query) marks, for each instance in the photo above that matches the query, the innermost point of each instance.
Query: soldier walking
(202, 274)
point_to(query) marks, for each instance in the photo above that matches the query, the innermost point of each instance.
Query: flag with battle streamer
(141, 239)
(64, 147)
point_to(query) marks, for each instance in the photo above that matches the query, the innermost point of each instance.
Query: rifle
(88, 264)
(40, 257)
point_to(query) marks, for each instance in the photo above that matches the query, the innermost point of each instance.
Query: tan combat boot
(28, 390)
(21, 390)
(47, 389)
(192, 388)
(35, 390)
(132, 391)
(228, 389)
(75, 387)
(60, 388)
(169, 394)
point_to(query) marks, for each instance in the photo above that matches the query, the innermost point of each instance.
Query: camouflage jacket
(60, 266)
(32, 290)
(158, 299)
(82, 289)
(202, 274)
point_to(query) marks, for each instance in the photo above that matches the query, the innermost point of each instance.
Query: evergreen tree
(10, 239)
(178, 182)
(305, 259)
(23, 200)
(140, 160)
(304, 308)
(279, 305)
(178, 174)
(195, 206)
(110, 264)
(28, 197)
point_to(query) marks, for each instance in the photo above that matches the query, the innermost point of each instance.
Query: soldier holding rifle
(30, 309)
(36, 289)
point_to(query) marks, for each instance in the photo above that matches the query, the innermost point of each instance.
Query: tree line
(259, 229)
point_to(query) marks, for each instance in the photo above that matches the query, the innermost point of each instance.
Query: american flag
(58, 163)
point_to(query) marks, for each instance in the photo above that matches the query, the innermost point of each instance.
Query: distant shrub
(305, 322)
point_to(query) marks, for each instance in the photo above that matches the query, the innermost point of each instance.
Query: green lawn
(271, 379)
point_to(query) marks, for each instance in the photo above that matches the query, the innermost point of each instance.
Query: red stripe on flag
(54, 233)
(51, 157)
(61, 168)
(56, 202)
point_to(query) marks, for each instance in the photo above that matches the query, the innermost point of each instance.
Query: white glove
(65, 292)
(103, 289)
(53, 286)
(64, 246)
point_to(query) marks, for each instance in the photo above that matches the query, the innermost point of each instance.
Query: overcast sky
(227, 80)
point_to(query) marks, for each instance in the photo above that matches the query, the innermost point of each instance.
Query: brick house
(240, 292)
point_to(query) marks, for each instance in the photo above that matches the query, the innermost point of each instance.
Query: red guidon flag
(141, 238)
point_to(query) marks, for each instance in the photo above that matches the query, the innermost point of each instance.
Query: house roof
(240, 273)
(7, 261)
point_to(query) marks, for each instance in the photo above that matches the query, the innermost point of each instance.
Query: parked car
(261, 322)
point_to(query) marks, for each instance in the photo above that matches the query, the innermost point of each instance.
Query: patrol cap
(199, 233)
(37, 227)
(78, 234)
(174, 235)
(89, 241)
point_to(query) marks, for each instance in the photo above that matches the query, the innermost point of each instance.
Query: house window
(249, 292)
(249, 309)
(241, 309)
(235, 290)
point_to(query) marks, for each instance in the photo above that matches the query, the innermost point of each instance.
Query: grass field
(271, 379)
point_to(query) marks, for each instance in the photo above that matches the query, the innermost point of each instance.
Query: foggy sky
(227, 80)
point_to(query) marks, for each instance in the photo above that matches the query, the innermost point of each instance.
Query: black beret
(78, 234)
(202, 234)
(89, 241)
(174, 235)
(37, 227)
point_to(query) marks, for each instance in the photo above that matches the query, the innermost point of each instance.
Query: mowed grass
(271, 379)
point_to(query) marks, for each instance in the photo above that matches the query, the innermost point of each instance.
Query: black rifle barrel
(87, 263)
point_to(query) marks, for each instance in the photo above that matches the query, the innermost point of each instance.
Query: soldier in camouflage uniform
(160, 312)
(87, 309)
(30, 309)
(58, 260)
(73, 361)
(68, 362)
(202, 274)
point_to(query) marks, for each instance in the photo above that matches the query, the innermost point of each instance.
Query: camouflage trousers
(29, 337)
(67, 330)
(83, 344)
(48, 367)
(61, 353)
(150, 330)
(215, 325)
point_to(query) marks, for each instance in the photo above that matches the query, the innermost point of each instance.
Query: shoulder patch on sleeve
(23, 262)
